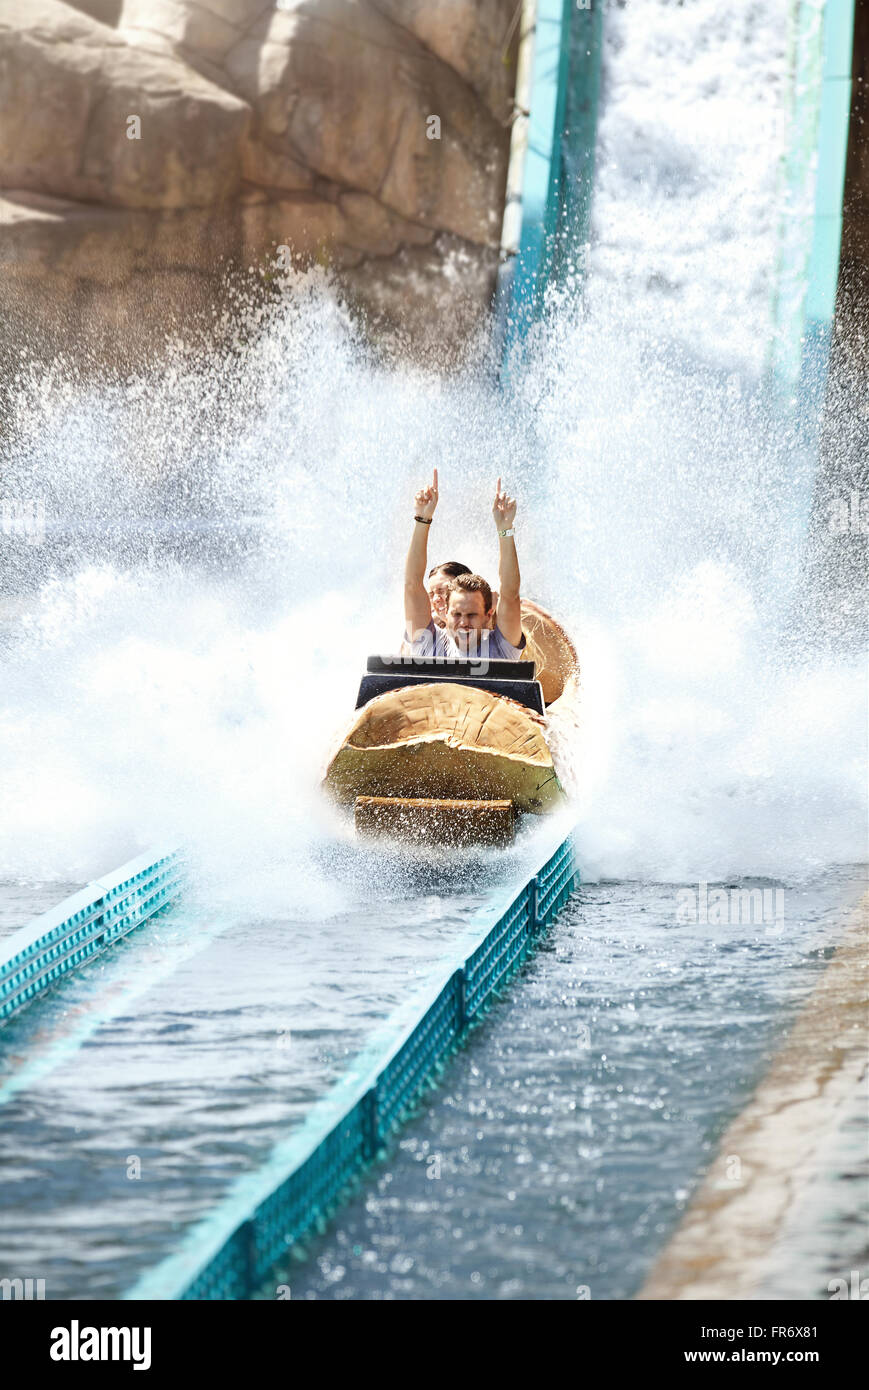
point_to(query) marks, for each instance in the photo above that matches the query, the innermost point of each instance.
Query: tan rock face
(306, 124)
(476, 41)
(207, 29)
(72, 94)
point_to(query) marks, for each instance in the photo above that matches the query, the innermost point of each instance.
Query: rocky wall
(147, 145)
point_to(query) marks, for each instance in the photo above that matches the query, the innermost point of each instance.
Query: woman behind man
(439, 583)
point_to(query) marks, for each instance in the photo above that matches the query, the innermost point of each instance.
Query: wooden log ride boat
(439, 753)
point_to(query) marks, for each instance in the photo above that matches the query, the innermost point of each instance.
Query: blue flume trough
(84, 925)
(233, 1251)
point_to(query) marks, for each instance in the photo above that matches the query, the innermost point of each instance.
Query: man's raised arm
(417, 605)
(509, 611)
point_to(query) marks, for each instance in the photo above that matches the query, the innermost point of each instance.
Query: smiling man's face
(466, 613)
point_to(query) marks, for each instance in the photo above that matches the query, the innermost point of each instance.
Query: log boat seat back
(514, 679)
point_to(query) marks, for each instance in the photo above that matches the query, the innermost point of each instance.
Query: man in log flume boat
(451, 740)
(471, 630)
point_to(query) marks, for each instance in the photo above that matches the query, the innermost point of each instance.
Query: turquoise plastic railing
(811, 191)
(234, 1251)
(550, 179)
(84, 925)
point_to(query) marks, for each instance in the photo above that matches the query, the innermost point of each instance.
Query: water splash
(225, 537)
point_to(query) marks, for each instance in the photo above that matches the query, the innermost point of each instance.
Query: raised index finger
(498, 488)
(435, 480)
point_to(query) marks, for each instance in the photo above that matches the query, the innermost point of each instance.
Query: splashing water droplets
(225, 545)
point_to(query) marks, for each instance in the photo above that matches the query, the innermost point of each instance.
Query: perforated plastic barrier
(231, 1254)
(84, 925)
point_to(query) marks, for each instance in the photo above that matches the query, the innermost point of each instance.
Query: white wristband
(511, 531)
